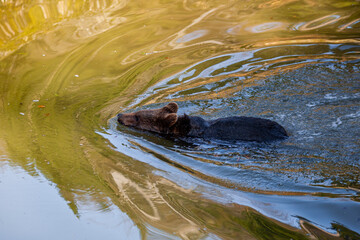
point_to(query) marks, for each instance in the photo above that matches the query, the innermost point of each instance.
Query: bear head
(156, 120)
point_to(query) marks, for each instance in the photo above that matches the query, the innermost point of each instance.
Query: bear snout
(119, 118)
(128, 119)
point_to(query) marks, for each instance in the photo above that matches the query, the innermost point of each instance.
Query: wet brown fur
(166, 121)
(156, 120)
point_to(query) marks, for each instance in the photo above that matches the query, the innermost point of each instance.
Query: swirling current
(68, 170)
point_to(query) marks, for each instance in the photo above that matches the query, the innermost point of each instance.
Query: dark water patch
(315, 106)
(315, 168)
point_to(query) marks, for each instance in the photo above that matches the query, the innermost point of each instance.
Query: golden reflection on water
(69, 66)
(23, 20)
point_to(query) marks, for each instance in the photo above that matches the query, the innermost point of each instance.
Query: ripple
(90, 26)
(192, 36)
(320, 22)
(266, 27)
(351, 25)
(227, 74)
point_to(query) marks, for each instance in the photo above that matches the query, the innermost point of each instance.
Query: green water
(67, 171)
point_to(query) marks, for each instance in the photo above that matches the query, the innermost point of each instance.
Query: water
(68, 67)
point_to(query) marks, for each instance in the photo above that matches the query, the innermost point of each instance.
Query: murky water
(68, 170)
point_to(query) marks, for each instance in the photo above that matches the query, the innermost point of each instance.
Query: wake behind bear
(166, 121)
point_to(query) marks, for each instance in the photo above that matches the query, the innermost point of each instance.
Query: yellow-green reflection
(68, 66)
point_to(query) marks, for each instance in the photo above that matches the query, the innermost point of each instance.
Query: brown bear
(166, 121)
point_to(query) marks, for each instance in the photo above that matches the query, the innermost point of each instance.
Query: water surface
(68, 67)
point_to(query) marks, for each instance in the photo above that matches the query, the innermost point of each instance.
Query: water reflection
(22, 20)
(350, 25)
(320, 22)
(242, 70)
(67, 67)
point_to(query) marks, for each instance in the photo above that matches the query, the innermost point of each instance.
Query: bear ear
(171, 119)
(171, 108)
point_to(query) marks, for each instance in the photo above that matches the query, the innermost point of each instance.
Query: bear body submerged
(166, 121)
